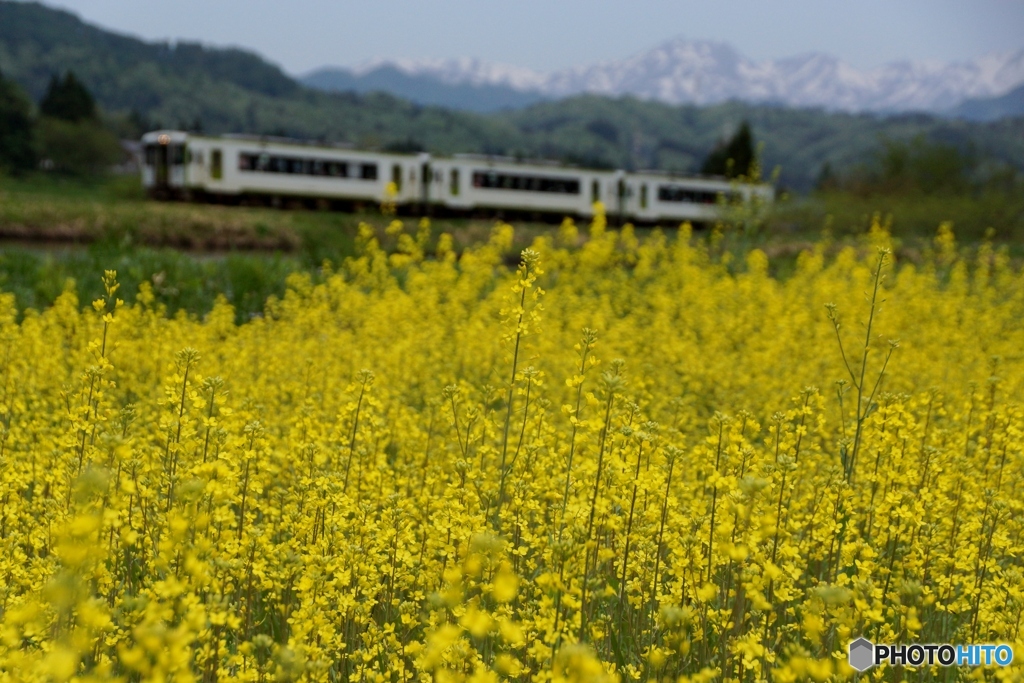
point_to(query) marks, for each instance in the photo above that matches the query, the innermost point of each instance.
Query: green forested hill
(36, 41)
(224, 89)
(230, 90)
(631, 133)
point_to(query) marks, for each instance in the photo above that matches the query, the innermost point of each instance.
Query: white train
(277, 171)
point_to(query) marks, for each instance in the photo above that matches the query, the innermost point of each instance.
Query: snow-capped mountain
(703, 72)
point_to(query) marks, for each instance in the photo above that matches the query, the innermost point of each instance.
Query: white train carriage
(501, 184)
(184, 165)
(655, 197)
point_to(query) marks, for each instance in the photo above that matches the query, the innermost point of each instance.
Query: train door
(426, 176)
(158, 162)
(216, 165)
(453, 183)
(623, 195)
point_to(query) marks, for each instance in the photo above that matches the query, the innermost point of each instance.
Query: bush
(79, 148)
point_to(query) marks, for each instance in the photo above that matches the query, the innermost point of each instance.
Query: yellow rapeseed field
(628, 460)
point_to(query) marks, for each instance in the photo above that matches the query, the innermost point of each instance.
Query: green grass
(180, 281)
(912, 216)
(55, 230)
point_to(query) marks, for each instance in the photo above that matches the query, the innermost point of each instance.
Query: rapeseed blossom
(623, 460)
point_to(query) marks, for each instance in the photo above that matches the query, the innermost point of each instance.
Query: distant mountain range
(693, 72)
(425, 89)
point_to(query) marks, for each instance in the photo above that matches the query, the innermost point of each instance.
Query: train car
(657, 197)
(185, 165)
(276, 170)
(503, 185)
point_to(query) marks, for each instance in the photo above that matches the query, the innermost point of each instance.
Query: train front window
(177, 155)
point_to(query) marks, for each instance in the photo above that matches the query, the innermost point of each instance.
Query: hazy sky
(548, 34)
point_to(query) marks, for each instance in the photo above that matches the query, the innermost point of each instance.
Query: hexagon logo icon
(862, 654)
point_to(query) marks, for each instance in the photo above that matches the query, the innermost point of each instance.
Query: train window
(643, 196)
(508, 181)
(454, 187)
(216, 164)
(595, 191)
(177, 154)
(679, 193)
(150, 155)
(266, 163)
(396, 176)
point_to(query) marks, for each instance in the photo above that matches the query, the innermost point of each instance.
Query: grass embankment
(57, 230)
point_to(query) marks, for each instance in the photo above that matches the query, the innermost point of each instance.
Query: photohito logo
(864, 654)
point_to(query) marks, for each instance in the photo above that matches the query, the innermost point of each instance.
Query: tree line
(67, 135)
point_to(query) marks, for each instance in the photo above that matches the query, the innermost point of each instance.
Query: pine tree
(17, 152)
(67, 99)
(733, 158)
